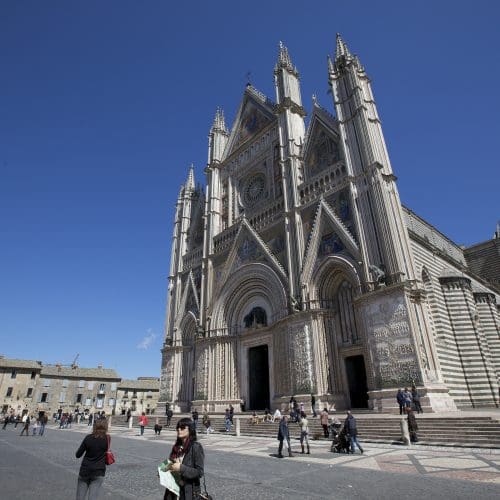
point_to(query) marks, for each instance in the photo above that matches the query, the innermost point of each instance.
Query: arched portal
(336, 285)
(251, 301)
(187, 330)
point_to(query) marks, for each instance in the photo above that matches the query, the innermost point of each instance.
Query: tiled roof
(20, 363)
(68, 371)
(141, 385)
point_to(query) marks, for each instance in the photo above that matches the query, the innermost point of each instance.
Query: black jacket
(191, 471)
(93, 463)
(350, 426)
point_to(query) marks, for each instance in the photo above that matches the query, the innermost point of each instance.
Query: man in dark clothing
(313, 405)
(194, 415)
(284, 434)
(170, 414)
(129, 414)
(416, 399)
(351, 428)
(400, 398)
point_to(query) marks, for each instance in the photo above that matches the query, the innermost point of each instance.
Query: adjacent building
(139, 396)
(298, 270)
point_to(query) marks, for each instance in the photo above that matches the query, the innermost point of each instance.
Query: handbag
(204, 495)
(110, 458)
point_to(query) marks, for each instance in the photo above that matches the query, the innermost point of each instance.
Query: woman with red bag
(93, 468)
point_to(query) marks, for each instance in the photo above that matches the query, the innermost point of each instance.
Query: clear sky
(104, 104)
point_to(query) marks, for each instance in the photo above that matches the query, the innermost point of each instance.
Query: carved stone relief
(301, 358)
(392, 347)
(201, 374)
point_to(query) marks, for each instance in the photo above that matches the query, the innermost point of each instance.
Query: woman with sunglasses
(187, 458)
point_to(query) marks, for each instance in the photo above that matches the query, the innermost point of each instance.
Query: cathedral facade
(298, 271)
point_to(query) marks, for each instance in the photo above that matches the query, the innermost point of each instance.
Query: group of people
(409, 399)
(29, 422)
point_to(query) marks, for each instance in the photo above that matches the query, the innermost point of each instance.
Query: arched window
(346, 313)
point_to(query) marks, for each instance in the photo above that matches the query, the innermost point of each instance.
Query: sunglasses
(181, 427)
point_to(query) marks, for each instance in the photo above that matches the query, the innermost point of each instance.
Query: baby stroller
(341, 441)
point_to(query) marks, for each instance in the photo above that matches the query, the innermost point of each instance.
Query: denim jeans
(90, 486)
(354, 441)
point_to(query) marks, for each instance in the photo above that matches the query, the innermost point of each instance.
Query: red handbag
(110, 458)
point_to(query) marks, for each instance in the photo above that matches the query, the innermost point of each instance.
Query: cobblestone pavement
(242, 467)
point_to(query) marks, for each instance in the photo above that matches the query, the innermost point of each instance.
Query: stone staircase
(463, 431)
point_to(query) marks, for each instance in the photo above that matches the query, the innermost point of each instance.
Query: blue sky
(104, 104)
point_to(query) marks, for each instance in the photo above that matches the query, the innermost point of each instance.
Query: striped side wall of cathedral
(464, 316)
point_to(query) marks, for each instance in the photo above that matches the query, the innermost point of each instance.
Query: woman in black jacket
(188, 459)
(93, 466)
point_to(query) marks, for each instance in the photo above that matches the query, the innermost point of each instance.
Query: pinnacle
(341, 49)
(219, 121)
(284, 59)
(190, 179)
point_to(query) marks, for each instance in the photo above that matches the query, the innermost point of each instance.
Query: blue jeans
(354, 441)
(228, 425)
(90, 486)
(142, 430)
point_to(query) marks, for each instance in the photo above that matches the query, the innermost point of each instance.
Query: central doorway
(356, 378)
(258, 377)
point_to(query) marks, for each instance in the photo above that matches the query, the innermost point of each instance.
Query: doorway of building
(356, 378)
(258, 377)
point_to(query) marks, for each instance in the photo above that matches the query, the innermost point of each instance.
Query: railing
(331, 178)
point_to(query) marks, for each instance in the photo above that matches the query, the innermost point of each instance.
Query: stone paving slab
(243, 467)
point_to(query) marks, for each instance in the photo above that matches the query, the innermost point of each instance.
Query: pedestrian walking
(412, 425)
(143, 422)
(194, 415)
(400, 398)
(170, 414)
(26, 427)
(284, 435)
(313, 406)
(91, 419)
(304, 433)
(35, 426)
(352, 430)
(129, 414)
(43, 422)
(324, 421)
(93, 467)
(416, 400)
(227, 420)
(231, 413)
(6, 420)
(187, 458)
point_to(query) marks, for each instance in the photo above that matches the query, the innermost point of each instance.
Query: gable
(329, 236)
(254, 114)
(248, 247)
(322, 146)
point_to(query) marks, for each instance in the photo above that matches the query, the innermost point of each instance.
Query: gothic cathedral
(299, 271)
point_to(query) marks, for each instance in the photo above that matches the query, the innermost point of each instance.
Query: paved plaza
(241, 467)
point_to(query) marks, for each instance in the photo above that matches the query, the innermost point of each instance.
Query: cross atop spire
(284, 60)
(219, 121)
(341, 49)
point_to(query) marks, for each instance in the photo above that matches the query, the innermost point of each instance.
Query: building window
(100, 401)
(134, 394)
(33, 375)
(13, 374)
(9, 391)
(90, 385)
(62, 397)
(149, 394)
(78, 398)
(45, 397)
(102, 387)
(111, 401)
(88, 402)
(113, 386)
(81, 384)
(65, 383)
(46, 382)
(29, 393)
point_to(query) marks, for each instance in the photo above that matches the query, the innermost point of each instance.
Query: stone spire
(341, 49)
(190, 180)
(219, 123)
(285, 61)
